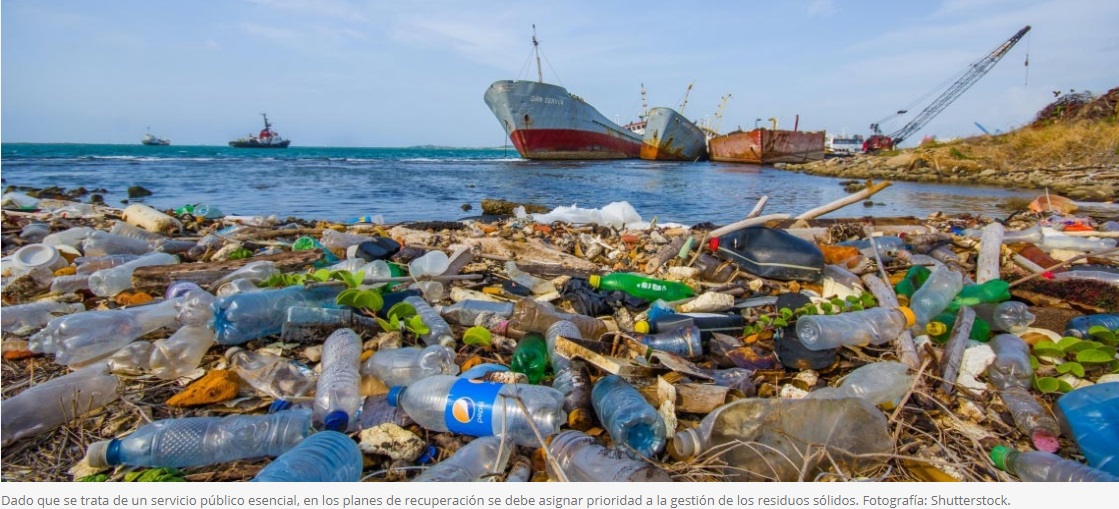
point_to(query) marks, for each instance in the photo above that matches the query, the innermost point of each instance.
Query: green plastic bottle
(531, 357)
(914, 278)
(940, 328)
(642, 287)
(991, 292)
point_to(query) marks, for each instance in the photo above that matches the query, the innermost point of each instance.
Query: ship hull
(546, 122)
(765, 146)
(254, 144)
(671, 137)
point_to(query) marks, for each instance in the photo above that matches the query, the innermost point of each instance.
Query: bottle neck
(684, 445)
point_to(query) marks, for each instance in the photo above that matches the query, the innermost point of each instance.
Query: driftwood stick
(843, 202)
(990, 253)
(733, 227)
(758, 208)
(906, 349)
(954, 350)
(1065, 263)
(159, 277)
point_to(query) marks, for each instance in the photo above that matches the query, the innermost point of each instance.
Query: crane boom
(974, 72)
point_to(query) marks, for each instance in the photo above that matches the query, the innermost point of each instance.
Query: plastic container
(472, 407)
(440, 333)
(1110, 278)
(531, 357)
(109, 282)
(789, 438)
(69, 284)
(1056, 240)
(880, 383)
(582, 459)
(34, 232)
(72, 237)
(380, 248)
(1039, 466)
(634, 425)
(151, 219)
(537, 286)
(87, 336)
(89, 264)
(195, 306)
(936, 294)
(257, 272)
(708, 323)
(1080, 325)
(326, 456)
(1090, 415)
(180, 354)
(403, 366)
(45, 406)
(478, 460)
(432, 263)
(338, 392)
(135, 232)
(244, 317)
(31, 256)
(535, 316)
(1008, 316)
(642, 287)
(270, 374)
(940, 328)
(100, 243)
(466, 312)
(197, 441)
(304, 324)
(1012, 374)
(22, 319)
(771, 254)
(336, 240)
(571, 377)
(873, 326)
(682, 341)
(888, 246)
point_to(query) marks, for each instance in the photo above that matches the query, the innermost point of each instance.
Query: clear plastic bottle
(22, 319)
(135, 232)
(197, 441)
(1090, 415)
(788, 438)
(935, 294)
(583, 459)
(195, 307)
(244, 317)
(1009, 316)
(477, 408)
(1040, 466)
(109, 282)
(55, 402)
(99, 243)
(338, 393)
(642, 287)
(257, 272)
(873, 326)
(326, 456)
(304, 324)
(535, 316)
(1111, 278)
(1056, 240)
(634, 425)
(888, 246)
(337, 240)
(1012, 374)
(683, 341)
(478, 460)
(538, 286)
(89, 264)
(91, 335)
(1079, 326)
(440, 333)
(181, 353)
(69, 284)
(72, 237)
(403, 366)
(270, 374)
(880, 383)
(466, 312)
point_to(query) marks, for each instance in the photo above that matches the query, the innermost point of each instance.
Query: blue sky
(349, 73)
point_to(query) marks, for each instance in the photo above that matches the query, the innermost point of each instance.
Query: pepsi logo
(463, 410)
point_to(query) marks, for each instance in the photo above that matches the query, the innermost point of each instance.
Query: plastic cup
(31, 256)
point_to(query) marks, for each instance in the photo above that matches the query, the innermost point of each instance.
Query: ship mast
(644, 103)
(684, 102)
(267, 126)
(536, 49)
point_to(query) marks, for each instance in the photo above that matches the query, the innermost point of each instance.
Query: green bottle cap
(999, 454)
(595, 280)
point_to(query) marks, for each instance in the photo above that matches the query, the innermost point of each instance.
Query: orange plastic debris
(218, 385)
(834, 255)
(132, 298)
(68, 270)
(1052, 202)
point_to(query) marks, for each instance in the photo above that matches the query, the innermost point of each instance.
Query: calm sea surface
(433, 183)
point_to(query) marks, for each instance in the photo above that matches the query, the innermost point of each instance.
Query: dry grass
(1068, 145)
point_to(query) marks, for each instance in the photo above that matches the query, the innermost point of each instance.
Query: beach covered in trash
(567, 344)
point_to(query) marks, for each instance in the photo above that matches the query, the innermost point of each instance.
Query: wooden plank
(157, 278)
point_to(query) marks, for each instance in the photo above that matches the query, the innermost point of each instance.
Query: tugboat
(151, 139)
(266, 139)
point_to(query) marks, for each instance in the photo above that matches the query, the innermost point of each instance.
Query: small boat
(767, 146)
(842, 145)
(151, 139)
(267, 138)
(671, 137)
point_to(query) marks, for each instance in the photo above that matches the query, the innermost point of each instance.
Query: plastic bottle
(440, 333)
(133, 359)
(739, 379)
(1040, 466)
(1008, 316)
(465, 313)
(326, 456)
(197, 441)
(634, 425)
(873, 326)
(337, 240)
(55, 402)
(1090, 415)
(109, 282)
(879, 383)
(483, 457)
(1012, 374)
(403, 366)
(531, 357)
(69, 284)
(537, 286)
(642, 287)
(1055, 240)
(270, 374)
(22, 319)
(991, 292)
(34, 232)
(683, 341)
(787, 437)
(91, 335)
(888, 246)
(89, 264)
(914, 278)
(304, 324)
(936, 294)
(100, 243)
(72, 237)
(194, 307)
(535, 316)
(181, 353)
(135, 232)
(1080, 325)
(582, 459)
(432, 263)
(708, 323)
(771, 253)
(1110, 278)
(477, 408)
(257, 272)
(338, 393)
(246, 316)
(939, 328)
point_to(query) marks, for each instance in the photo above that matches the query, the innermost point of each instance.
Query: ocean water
(429, 183)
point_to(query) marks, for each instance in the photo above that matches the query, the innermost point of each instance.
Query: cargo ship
(767, 146)
(669, 136)
(545, 121)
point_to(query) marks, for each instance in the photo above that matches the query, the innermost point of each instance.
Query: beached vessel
(545, 121)
(151, 139)
(840, 145)
(767, 146)
(669, 136)
(267, 138)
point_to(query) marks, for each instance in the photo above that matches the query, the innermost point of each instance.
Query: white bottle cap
(31, 256)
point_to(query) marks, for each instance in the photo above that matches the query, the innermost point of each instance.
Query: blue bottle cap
(279, 406)
(394, 395)
(428, 455)
(336, 421)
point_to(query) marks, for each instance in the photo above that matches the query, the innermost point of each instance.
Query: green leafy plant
(785, 316)
(351, 279)
(1076, 357)
(403, 316)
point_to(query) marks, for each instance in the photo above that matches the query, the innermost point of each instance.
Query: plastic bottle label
(470, 407)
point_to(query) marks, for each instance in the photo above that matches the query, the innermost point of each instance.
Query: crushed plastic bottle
(87, 265)
(582, 459)
(873, 326)
(440, 333)
(483, 457)
(634, 425)
(571, 377)
(100, 243)
(535, 316)
(326, 456)
(87, 336)
(1009, 316)
(683, 341)
(403, 366)
(180, 354)
(338, 393)
(1012, 375)
(304, 324)
(69, 284)
(244, 317)
(879, 383)
(1079, 326)
(1090, 415)
(55, 402)
(22, 319)
(109, 282)
(337, 240)
(1040, 466)
(466, 312)
(936, 294)
(195, 307)
(197, 441)
(991, 292)
(538, 286)
(270, 374)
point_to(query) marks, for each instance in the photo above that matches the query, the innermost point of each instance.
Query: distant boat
(840, 145)
(669, 136)
(767, 146)
(151, 139)
(266, 139)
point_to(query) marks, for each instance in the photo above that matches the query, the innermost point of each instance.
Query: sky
(392, 73)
